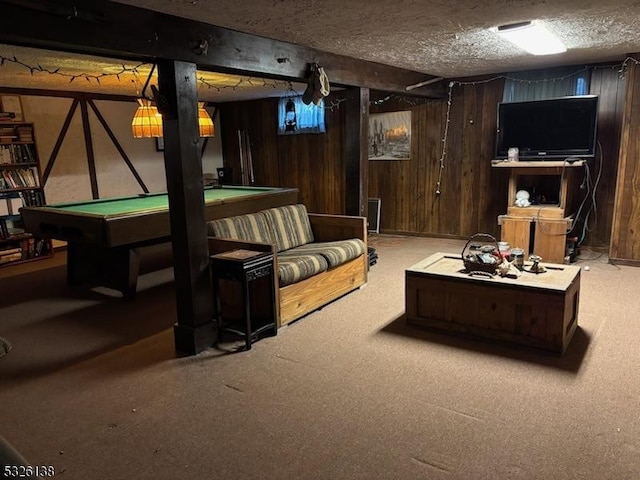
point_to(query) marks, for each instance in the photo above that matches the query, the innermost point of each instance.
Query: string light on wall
(87, 76)
(438, 189)
(444, 140)
(335, 104)
(411, 102)
(242, 82)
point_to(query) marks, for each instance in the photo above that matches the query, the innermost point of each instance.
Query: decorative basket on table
(480, 254)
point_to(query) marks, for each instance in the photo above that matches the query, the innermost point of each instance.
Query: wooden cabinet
(540, 228)
(20, 185)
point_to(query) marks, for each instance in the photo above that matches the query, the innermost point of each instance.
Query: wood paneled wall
(625, 235)
(313, 163)
(472, 194)
(606, 83)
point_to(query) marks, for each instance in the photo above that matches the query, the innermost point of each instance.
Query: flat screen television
(548, 129)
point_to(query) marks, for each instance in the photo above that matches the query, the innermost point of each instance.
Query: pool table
(104, 236)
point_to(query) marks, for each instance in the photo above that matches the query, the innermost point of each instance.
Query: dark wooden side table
(254, 272)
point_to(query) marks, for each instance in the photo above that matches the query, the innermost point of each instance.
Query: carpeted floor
(93, 387)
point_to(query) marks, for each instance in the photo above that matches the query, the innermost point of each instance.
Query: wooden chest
(536, 310)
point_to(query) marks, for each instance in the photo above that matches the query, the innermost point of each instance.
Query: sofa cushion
(336, 252)
(252, 228)
(289, 226)
(294, 268)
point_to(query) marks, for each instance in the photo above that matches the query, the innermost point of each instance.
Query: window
(294, 116)
(543, 84)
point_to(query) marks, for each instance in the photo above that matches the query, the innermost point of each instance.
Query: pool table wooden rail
(138, 228)
(104, 250)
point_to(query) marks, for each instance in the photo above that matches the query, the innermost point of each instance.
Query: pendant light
(147, 121)
(205, 123)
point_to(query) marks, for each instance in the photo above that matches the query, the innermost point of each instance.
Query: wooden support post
(356, 152)
(193, 331)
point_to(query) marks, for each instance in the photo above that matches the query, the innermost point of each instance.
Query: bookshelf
(20, 185)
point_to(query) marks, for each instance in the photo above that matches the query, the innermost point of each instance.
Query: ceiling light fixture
(205, 123)
(147, 121)
(532, 37)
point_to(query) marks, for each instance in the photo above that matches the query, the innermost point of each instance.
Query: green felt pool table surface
(103, 236)
(143, 218)
(151, 202)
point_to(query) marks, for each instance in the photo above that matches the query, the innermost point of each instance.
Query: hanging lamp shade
(205, 124)
(147, 121)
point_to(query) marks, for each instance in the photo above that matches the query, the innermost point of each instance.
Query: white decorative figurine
(522, 198)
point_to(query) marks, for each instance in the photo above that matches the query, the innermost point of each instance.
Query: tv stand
(550, 221)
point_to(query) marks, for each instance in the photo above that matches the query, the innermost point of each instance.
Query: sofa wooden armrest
(327, 227)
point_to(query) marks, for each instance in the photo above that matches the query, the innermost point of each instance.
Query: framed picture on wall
(390, 136)
(12, 104)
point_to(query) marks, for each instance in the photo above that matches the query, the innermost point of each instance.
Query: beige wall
(69, 179)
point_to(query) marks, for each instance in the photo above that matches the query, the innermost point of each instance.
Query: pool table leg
(116, 268)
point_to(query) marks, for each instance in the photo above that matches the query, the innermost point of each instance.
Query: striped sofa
(318, 257)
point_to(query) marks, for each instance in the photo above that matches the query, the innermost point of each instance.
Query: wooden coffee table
(536, 310)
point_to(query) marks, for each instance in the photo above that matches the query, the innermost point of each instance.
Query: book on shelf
(11, 225)
(13, 257)
(25, 133)
(29, 247)
(32, 198)
(21, 178)
(4, 229)
(8, 180)
(15, 204)
(11, 203)
(43, 248)
(5, 205)
(14, 153)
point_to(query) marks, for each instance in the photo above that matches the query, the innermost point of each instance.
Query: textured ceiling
(445, 38)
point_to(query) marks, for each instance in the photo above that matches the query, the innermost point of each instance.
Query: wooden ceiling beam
(110, 29)
(42, 92)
